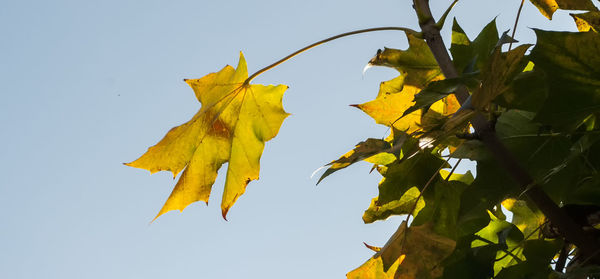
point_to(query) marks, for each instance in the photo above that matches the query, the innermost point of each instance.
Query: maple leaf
(390, 105)
(376, 151)
(232, 126)
(527, 218)
(502, 68)
(469, 56)
(417, 68)
(569, 61)
(548, 7)
(417, 62)
(412, 252)
(587, 21)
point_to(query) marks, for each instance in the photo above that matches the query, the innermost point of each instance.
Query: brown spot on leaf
(220, 129)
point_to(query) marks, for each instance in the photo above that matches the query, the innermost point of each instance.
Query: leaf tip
(224, 214)
(374, 248)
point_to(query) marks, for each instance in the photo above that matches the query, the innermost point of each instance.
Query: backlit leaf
(404, 205)
(442, 204)
(232, 126)
(548, 7)
(440, 89)
(416, 63)
(389, 106)
(376, 151)
(526, 218)
(587, 21)
(414, 252)
(507, 237)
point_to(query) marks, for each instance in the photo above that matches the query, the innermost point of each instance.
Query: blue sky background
(88, 85)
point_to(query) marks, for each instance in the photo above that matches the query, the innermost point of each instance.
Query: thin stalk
(257, 73)
(515, 27)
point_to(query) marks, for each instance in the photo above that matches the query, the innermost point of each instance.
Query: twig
(562, 258)
(515, 26)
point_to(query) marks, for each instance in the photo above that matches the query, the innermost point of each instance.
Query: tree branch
(571, 230)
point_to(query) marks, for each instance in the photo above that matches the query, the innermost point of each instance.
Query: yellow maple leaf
(395, 97)
(232, 126)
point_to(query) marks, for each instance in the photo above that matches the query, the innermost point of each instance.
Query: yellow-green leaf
(232, 126)
(528, 220)
(416, 63)
(388, 108)
(404, 205)
(412, 252)
(376, 151)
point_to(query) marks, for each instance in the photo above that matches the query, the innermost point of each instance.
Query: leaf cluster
(542, 100)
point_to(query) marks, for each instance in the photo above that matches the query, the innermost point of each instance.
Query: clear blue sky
(88, 85)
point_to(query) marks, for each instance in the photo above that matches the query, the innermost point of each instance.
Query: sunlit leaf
(389, 106)
(442, 204)
(232, 126)
(416, 63)
(376, 151)
(396, 196)
(507, 237)
(526, 218)
(440, 89)
(587, 21)
(404, 205)
(538, 254)
(373, 269)
(548, 7)
(414, 252)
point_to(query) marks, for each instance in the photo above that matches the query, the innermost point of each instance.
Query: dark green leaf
(400, 176)
(570, 61)
(464, 52)
(470, 263)
(527, 92)
(498, 73)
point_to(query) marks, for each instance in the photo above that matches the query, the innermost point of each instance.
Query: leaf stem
(515, 27)
(275, 64)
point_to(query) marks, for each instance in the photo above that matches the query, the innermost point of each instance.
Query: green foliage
(544, 107)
